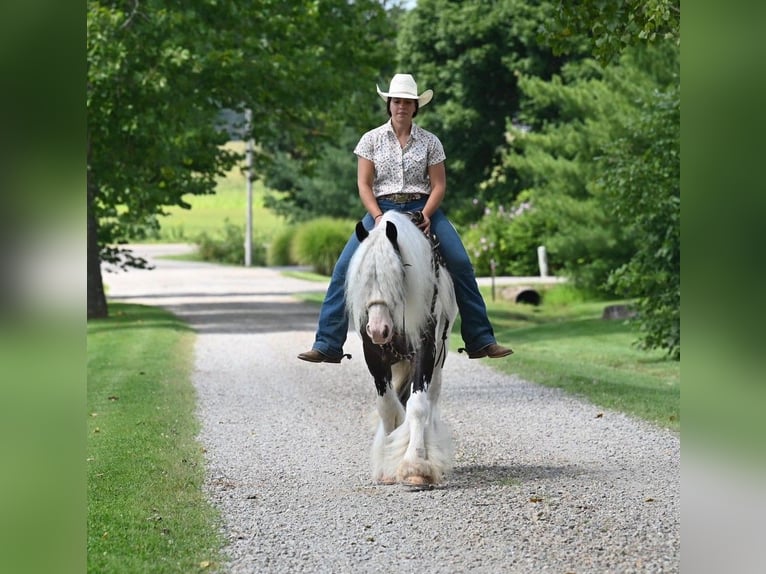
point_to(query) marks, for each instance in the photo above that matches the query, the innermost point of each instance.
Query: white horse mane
(404, 280)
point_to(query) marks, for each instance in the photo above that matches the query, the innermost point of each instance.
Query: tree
(471, 54)
(159, 72)
(605, 167)
(548, 166)
(644, 165)
(642, 176)
(329, 189)
(610, 26)
(325, 184)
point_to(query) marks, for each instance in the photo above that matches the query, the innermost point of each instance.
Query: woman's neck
(401, 129)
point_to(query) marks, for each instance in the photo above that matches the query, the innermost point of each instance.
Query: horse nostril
(385, 332)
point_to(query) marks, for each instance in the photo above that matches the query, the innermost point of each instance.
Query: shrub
(319, 242)
(229, 247)
(511, 237)
(279, 252)
(564, 295)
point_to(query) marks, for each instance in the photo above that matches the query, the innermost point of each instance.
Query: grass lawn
(210, 212)
(145, 469)
(567, 345)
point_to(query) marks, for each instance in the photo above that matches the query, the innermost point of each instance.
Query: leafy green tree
(604, 167)
(329, 190)
(159, 72)
(611, 26)
(324, 185)
(561, 127)
(642, 176)
(471, 54)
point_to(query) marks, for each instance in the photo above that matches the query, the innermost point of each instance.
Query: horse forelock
(375, 273)
(404, 279)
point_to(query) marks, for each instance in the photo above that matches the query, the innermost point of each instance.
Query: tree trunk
(97, 307)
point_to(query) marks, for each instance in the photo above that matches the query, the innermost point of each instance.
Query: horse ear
(392, 234)
(361, 232)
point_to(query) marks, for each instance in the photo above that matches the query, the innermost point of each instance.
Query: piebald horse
(401, 300)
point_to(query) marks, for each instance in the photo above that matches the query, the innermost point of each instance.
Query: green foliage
(601, 164)
(609, 27)
(471, 54)
(228, 246)
(510, 237)
(280, 249)
(158, 75)
(151, 138)
(323, 182)
(330, 190)
(319, 242)
(147, 511)
(588, 243)
(644, 181)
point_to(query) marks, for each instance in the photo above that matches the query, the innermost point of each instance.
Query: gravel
(543, 482)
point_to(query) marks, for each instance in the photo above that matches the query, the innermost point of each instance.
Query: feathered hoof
(418, 481)
(385, 480)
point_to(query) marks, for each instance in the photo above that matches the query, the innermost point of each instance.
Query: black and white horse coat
(401, 300)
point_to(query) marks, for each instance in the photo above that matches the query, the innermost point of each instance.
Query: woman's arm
(438, 176)
(365, 173)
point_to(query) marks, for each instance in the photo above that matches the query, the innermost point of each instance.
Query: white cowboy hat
(404, 86)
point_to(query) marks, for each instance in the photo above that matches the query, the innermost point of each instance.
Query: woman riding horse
(401, 167)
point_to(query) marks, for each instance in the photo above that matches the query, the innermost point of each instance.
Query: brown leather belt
(403, 197)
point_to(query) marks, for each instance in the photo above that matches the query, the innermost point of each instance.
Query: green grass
(210, 212)
(146, 508)
(568, 346)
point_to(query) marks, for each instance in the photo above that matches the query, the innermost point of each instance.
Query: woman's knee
(457, 265)
(341, 265)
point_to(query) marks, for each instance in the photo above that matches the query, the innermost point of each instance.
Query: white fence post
(542, 261)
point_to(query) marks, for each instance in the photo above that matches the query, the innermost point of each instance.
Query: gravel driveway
(542, 483)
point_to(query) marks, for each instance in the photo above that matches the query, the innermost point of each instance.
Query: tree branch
(133, 13)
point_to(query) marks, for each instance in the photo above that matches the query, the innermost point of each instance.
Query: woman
(401, 166)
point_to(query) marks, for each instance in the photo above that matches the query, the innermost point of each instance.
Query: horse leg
(389, 409)
(417, 466)
(380, 369)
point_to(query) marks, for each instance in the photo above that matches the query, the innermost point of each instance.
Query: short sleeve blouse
(397, 169)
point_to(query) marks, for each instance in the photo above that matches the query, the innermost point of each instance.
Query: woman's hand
(425, 223)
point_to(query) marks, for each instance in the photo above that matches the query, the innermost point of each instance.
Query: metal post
(249, 225)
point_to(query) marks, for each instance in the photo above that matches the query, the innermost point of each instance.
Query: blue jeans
(475, 327)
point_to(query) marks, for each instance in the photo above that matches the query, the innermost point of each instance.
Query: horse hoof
(417, 481)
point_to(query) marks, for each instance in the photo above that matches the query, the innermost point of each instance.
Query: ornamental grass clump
(320, 241)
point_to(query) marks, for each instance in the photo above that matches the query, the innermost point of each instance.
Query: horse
(401, 300)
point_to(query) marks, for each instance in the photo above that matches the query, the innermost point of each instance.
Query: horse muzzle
(380, 335)
(380, 327)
